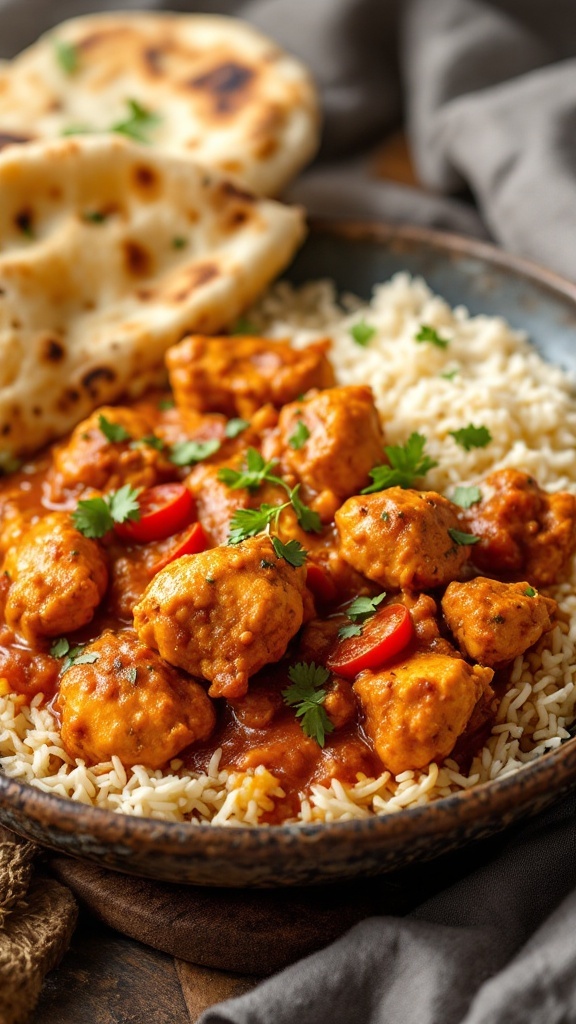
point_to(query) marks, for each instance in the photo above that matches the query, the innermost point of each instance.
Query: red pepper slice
(164, 510)
(383, 636)
(191, 543)
(320, 583)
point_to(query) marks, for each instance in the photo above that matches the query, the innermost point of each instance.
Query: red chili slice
(320, 583)
(383, 636)
(164, 510)
(192, 543)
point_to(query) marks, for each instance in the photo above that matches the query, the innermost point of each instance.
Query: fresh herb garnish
(471, 437)
(95, 516)
(427, 333)
(465, 497)
(247, 522)
(113, 431)
(253, 474)
(530, 592)
(166, 403)
(244, 326)
(406, 463)
(450, 374)
(292, 551)
(9, 465)
(185, 453)
(138, 123)
(462, 538)
(67, 56)
(72, 655)
(299, 437)
(94, 216)
(309, 521)
(362, 333)
(149, 441)
(235, 427)
(179, 242)
(361, 609)
(307, 697)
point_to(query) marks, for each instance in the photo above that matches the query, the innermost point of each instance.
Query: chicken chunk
(400, 538)
(331, 440)
(236, 375)
(416, 710)
(223, 614)
(90, 459)
(58, 578)
(129, 702)
(522, 529)
(494, 622)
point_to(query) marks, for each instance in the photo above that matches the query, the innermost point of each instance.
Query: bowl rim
(70, 815)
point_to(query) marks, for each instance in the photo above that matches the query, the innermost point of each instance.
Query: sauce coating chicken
(223, 614)
(400, 538)
(416, 709)
(330, 441)
(90, 459)
(495, 622)
(129, 702)
(237, 375)
(58, 578)
(522, 529)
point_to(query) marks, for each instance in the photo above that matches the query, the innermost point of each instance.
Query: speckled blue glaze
(357, 257)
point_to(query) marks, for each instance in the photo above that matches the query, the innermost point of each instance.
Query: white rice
(530, 410)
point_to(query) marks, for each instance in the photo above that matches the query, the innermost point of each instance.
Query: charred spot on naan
(226, 87)
(138, 260)
(147, 181)
(13, 138)
(51, 350)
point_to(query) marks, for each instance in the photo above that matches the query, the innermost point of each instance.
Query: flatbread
(109, 253)
(222, 93)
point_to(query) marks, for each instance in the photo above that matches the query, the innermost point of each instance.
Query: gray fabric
(488, 91)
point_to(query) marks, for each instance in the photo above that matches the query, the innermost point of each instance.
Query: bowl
(356, 256)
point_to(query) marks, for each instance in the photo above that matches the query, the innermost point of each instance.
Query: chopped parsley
(66, 56)
(450, 374)
(137, 124)
(253, 474)
(530, 592)
(465, 497)
(185, 453)
(462, 539)
(94, 517)
(427, 333)
(362, 333)
(113, 431)
(72, 655)
(292, 552)
(361, 609)
(179, 242)
(166, 403)
(406, 463)
(235, 427)
(308, 520)
(149, 441)
(298, 438)
(94, 216)
(247, 522)
(307, 697)
(471, 437)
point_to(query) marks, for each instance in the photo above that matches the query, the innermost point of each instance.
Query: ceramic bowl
(356, 256)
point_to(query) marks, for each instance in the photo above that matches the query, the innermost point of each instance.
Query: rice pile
(488, 375)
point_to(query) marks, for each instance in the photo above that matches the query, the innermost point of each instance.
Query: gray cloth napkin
(487, 89)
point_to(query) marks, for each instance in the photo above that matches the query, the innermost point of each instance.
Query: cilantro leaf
(66, 56)
(471, 437)
(530, 592)
(465, 497)
(94, 517)
(185, 453)
(362, 333)
(450, 374)
(349, 630)
(113, 431)
(247, 522)
(462, 538)
(253, 473)
(309, 521)
(299, 437)
(166, 403)
(60, 647)
(94, 216)
(178, 242)
(235, 427)
(87, 659)
(307, 697)
(406, 463)
(292, 551)
(427, 333)
(149, 441)
(137, 124)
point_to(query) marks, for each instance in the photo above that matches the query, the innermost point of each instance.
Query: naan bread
(220, 92)
(109, 253)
